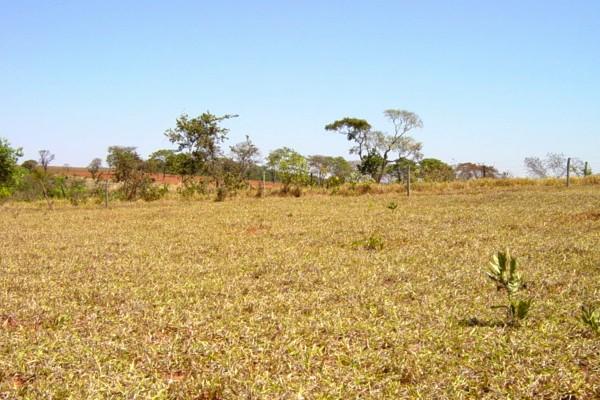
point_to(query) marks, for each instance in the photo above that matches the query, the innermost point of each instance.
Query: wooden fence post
(408, 180)
(568, 171)
(106, 194)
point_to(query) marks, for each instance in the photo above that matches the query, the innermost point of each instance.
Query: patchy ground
(271, 298)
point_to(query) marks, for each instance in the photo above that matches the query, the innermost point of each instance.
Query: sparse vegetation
(267, 299)
(503, 271)
(590, 315)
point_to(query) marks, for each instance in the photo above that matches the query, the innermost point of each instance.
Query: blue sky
(493, 82)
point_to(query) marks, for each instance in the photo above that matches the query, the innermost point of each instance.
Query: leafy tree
(341, 168)
(162, 161)
(181, 164)
(45, 159)
(245, 154)
(376, 149)
(201, 138)
(320, 166)
(434, 170)
(130, 169)
(471, 170)
(399, 169)
(325, 167)
(30, 165)
(372, 164)
(94, 168)
(291, 167)
(356, 130)
(124, 161)
(8, 167)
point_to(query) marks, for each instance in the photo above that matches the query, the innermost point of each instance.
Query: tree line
(199, 157)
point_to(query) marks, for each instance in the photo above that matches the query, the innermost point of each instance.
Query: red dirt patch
(158, 178)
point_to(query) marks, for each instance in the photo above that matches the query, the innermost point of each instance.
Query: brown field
(279, 298)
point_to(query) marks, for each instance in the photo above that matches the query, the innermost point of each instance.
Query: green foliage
(8, 167)
(125, 162)
(291, 167)
(191, 188)
(221, 194)
(519, 309)
(371, 164)
(376, 149)
(590, 315)
(469, 170)
(392, 205)
(587, 170)
(434, 170)
(167, 161)
(353, 128)
(326, 167)
(373, 242)
(201, 138)
(503, 271)
(245, 155)
(30, 165)
(94, 168)
(399, 169)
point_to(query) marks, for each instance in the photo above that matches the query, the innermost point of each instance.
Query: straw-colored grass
(271, 298)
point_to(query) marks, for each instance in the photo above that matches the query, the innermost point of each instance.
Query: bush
(503, 271)
(373, 242)
(590, 315)
(221, 193)
(191, 187)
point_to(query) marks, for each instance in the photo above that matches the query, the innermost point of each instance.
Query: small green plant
(590, 315)
(503, 271)
(392, 205)
(373, 242)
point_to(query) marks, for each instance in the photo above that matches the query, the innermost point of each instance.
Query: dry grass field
(277, 298)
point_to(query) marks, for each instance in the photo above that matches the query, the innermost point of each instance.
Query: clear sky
(493, 81)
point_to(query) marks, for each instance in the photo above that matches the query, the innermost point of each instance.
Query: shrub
(154, 192)
(503, 271)
(590, 315)
(221, 193)
(373, 242)
(191, 187)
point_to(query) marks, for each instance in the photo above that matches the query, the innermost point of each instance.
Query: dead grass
(268, 298)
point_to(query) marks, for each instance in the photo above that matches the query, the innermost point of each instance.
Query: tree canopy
(377, 149)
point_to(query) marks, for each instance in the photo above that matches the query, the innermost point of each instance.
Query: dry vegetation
(271, 298)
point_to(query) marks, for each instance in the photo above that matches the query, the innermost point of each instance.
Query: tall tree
(376, 149)
(45, 159)
(434, 170)
(125, 162)
(554, 165)
(201, 137)
(341, 168)
(471, 170)
(356, 130)
(320, 166)
(94, 168)
(245, 154)
(291, 167)
(162, 161)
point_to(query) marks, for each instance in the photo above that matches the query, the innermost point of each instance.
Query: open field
(273, 298)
